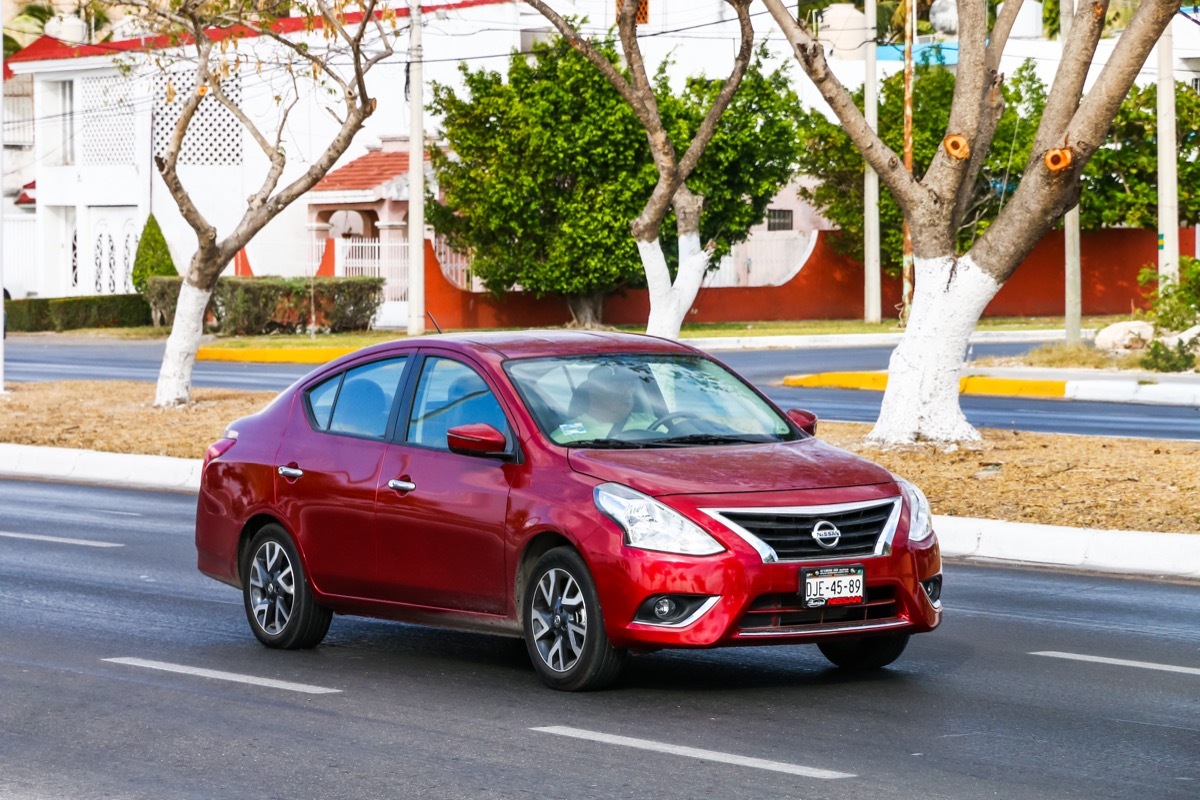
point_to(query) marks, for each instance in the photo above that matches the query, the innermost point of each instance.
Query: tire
(280, 607)
(865, 653)
(564, 628)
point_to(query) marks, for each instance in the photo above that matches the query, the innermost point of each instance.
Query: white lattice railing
(389, 260)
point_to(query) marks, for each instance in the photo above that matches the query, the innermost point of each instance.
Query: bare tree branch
(1070, 77)
(948, 173)
(811, 57)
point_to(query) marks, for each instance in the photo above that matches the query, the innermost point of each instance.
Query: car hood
(780, 466)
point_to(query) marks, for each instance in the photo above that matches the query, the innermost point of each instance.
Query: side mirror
(476, 439)
(805, 419)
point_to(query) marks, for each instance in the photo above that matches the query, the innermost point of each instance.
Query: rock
(1188, 337)
(1131, 335)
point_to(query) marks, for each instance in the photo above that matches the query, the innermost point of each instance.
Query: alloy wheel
(559, 618)
(272, 587)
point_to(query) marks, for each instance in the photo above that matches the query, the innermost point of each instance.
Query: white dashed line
(692, 752)
(58, 540)
(1119, 662)
(233, 677)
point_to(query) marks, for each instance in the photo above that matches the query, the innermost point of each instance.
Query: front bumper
(759, 603)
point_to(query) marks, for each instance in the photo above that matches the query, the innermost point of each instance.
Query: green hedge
(70, 313)
(28, 315)
(249, 306)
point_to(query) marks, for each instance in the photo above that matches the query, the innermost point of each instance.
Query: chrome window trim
(883, 546)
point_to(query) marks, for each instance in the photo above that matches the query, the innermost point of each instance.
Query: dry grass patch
(1133, 484)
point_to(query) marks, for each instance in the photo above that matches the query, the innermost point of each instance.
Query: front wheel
(865, 653)
(279, 605)
(564, 630)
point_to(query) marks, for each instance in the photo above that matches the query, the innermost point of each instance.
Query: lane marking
(58, 540)
(233, 677)
(1119, 662)
(693, 752)
(119, 513)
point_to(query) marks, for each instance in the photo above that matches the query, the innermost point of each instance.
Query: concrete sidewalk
(1175, 555)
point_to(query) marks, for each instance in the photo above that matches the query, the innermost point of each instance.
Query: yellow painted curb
(1011, 387)
(281, 355)
(971, 384)
(872, 381)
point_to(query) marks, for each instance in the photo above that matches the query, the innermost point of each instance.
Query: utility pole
(872, 293)
(416, 174)
(3, 209)
(1168, 179)
(910, 36)
(1073, 273)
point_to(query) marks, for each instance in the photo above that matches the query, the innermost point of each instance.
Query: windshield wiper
(606, 444)
(712, 438)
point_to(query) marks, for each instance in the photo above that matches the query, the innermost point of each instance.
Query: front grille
(790, 533)
(786, 613)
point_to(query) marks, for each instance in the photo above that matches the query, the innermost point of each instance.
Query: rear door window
(358, 402)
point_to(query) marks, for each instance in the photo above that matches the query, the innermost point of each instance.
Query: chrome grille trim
(881, 625)
(883, 544)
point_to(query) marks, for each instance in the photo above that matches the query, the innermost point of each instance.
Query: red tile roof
(47, 48)
(366, 172)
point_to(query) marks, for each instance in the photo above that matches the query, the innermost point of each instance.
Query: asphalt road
(973, 710)
(43, 359)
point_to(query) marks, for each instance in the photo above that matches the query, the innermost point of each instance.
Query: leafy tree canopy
(1120, 183)
(547, 166)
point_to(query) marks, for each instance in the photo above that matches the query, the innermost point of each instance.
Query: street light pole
(872, 293)
(3, 209)
(1168, 179)
(910, 35)
(1072, 267)
(416, 175)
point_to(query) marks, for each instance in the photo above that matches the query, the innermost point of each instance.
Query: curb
(103, 469)
(274, 355)
(1097, 390)
(1174, 555)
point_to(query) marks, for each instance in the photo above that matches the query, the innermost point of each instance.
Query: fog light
(664, 608)
(673, 610)
(933, 589)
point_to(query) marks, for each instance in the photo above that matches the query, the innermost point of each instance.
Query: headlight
(650, 525)
(920, 519)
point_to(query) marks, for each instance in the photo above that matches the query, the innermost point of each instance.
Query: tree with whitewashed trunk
(952, 288)
(292, 48)
(670, 299)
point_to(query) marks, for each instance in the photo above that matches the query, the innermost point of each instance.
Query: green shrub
(153, 256)
(101, 311)
(249, 306)
(1175, 305)
(32, 314)
(1161, 358)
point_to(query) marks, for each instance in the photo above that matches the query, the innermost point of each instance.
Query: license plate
(833, 586)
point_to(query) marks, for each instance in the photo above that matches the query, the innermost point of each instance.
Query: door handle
(401, 486)
(291, 472)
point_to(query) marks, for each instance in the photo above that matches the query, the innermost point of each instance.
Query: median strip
(1119, 662)
(693, 752)
(213, 674)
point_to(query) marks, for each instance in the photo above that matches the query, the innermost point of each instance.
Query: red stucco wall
(831, 287)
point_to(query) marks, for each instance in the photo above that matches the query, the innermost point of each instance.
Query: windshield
(628, 401)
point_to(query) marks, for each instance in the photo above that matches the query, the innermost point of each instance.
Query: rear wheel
(866, 653)
(279, 605)
(564, 629)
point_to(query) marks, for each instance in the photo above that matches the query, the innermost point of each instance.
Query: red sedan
(595, 494)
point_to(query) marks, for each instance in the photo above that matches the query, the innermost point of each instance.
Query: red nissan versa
(595, 494)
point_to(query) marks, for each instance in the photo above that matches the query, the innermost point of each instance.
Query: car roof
(541, 343)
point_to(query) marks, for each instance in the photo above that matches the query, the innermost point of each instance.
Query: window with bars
(779, 219)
